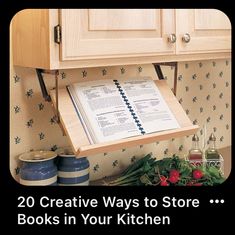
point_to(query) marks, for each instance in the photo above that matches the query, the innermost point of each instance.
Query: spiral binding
(137, 122)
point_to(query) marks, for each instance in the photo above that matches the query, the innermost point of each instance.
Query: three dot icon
(217, 201)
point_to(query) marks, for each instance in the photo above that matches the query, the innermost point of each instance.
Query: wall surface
(203, 89)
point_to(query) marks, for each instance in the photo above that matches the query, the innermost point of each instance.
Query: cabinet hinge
(57, 34)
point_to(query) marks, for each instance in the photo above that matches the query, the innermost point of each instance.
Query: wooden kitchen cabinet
(105, 37)
(202, 31)
(115, 33)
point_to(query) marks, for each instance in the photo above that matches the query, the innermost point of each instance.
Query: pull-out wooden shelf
(79, 140)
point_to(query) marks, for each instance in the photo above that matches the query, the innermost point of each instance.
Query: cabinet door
(209, 31)
(115, 33)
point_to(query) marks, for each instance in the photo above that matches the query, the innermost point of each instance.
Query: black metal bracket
(45, 94)
(159, 71)
(47, 97)
(160, 75)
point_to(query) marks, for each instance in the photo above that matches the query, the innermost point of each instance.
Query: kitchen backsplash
(203, 89)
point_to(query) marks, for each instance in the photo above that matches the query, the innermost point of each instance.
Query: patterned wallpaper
(203, 89)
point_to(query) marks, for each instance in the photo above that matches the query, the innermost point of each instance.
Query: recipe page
(150, 107)
(103, 110)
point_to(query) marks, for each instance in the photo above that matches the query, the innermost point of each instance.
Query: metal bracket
(160, 75)
(47, 97)
(45, 94)
(159, 71)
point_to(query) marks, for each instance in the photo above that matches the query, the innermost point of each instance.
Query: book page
(150, 107)
(103, 110)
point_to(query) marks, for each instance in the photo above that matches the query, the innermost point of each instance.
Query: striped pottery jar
(38, 168)
(72, 171)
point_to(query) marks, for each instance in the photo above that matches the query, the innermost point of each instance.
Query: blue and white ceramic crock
(72, 171)
(38, 168)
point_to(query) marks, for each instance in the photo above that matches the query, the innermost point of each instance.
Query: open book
(116, 109)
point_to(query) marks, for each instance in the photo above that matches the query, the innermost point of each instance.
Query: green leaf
(147, 171)
(145, 180)
(137, 165)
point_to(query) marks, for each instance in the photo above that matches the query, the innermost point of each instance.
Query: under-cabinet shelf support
(160, 75)
(45, 94)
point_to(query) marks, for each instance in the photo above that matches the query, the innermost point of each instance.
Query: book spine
(133, 114)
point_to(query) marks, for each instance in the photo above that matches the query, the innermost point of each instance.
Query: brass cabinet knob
(172, 38)
(186, 38)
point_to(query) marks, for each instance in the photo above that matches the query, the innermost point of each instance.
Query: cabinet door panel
(109, 33)
(109, 19)
(209, 29)
(211, 19)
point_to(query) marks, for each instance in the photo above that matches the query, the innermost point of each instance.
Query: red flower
(189, 184)
(175, 173)
(197, 184)
(173, 179)
(197, 174)
(163, 178)
(164, 183)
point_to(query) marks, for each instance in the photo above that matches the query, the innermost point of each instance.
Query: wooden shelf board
(79, 140)
(69, 120)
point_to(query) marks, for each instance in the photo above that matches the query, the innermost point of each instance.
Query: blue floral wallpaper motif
(17, 109)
